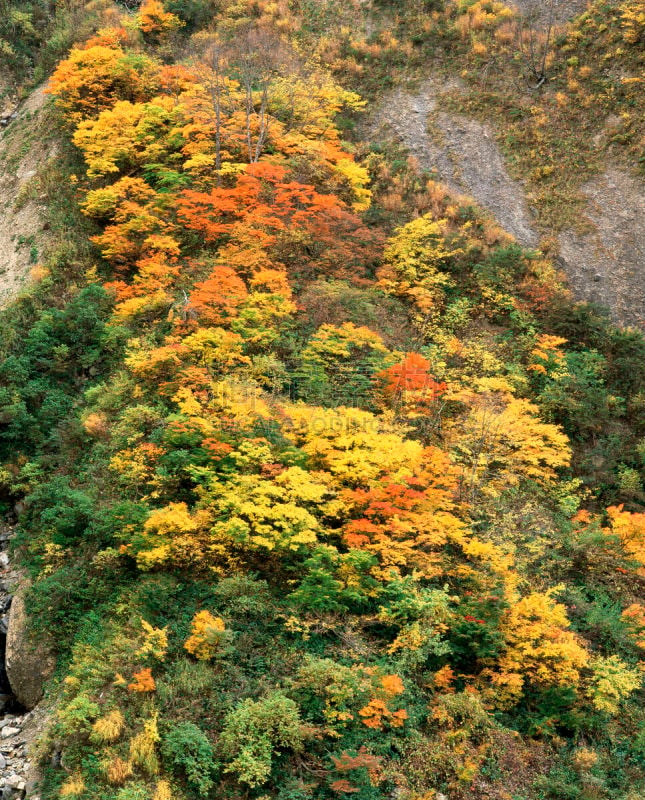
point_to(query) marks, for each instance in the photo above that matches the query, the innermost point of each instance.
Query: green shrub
(57, 507)
(77, 716)
(255, 731)
(195, 13)
(187, 749)
(133, 791)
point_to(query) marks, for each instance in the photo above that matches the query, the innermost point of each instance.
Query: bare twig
(535, 44)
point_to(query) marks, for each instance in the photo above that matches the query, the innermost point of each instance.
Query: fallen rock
(8, 731)
(29, 663)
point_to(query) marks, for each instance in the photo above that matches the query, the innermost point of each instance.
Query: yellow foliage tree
(539, 648)
(415, 263)
(155, 642)
(172, 535)
(74, 786)
(630, 529)
(163, 791)
(108, 728)
(355, 446)
(501, 440)
(92, 78)
(118, 771)
(127, 135)
(256, 513)
(154, 19)
(207, 636)
(143, 747)
(613, 681)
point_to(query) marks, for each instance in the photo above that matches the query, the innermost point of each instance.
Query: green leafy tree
(188, 750)
(255, 732)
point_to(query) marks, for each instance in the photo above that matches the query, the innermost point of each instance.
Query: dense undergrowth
(326, 487)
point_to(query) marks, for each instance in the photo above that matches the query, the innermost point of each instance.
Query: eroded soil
(605, 265)
(25, 148)
(462, 153)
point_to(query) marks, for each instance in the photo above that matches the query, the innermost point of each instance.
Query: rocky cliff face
(28, 662)
(25, 148)
(462, 152)
(25, 664)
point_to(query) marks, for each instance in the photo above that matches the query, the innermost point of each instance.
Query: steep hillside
(559, 99)
(604, 261)
(27, 146)
(319, 479)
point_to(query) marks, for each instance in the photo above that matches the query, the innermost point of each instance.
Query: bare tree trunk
(259, 56)
(536, 50)
(209, 67)
(249, 113)
(215, 92)
(263, 123)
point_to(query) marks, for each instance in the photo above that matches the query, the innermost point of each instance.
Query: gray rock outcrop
(28, 662)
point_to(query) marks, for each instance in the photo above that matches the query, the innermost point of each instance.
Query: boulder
(28, 662)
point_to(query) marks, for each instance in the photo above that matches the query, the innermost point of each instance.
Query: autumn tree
(415, 264)
(540, 648)
(93, 78)
(501, 440)
(257, 56)
(630, 530)
(407, 523)
(208, 636)
(128, 136)
(212, 102)
(155, 22)
(217, 299)
(339, 365)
